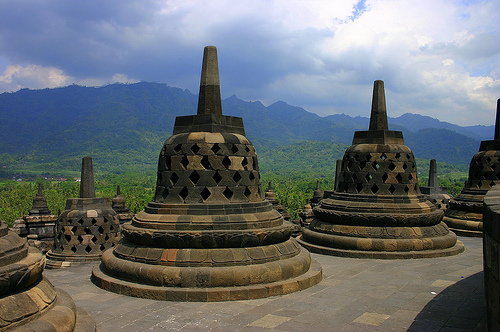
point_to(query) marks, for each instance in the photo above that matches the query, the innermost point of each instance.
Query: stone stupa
(377, 210)
(86, 228)
(39, 225)
(119, 206)
(208, 234)
(465, 214)
(28, 301)
(437, 195)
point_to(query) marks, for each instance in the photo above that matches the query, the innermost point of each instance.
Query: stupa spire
(209, 101)
(433, 178)
(497, 122)
(378, 116)
(87, 189)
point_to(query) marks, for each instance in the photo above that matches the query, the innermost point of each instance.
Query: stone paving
(430, 294)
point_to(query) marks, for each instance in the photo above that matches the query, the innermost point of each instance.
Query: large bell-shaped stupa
(208, 234)
(377, 210)
(465, 214)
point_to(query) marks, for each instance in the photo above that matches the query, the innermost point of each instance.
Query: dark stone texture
(464, 215)
(209, 234)
(377, 209)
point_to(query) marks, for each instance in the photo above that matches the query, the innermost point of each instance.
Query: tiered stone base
(56, 261)
(219, 274)
(465, 215)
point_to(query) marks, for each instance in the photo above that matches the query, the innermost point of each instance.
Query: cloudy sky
(437, 57)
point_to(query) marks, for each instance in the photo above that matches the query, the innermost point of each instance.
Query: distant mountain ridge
(128, 123)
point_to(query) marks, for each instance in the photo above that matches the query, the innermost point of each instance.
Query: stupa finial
(433, 178)
(87, 189)
(497, 122)
(39, 190)
(209, 101)
(118, 191)
(378, 116)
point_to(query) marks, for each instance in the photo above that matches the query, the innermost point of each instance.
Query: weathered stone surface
(87, 227)
(464, 215)
(377, 209)
(119, 206)
(208, 234)
(28, 301)
(437, 195)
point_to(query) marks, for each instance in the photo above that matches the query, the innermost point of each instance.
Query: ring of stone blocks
(474, 204)
(22, 273)
(185, 257)
(466, 214)
(353, 242)
(388, 217)
(382, 232)
(204, 276)
(82, 218)
(84, 245)
(381, 173)
(206, 238)
(12, 248)
(463, 223)
(235, 211)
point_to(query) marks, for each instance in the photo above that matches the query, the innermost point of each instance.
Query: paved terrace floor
(432, 294)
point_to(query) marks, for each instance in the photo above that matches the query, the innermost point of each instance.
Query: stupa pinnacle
(376, 209)
(208, 234)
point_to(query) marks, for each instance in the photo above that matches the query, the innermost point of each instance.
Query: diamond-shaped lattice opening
(492, 184)
(479, 184)
(226, 162)
(174, 178)
(356, 157)
(205, 194)
(368, 177)
(88, 249)
(111, 227)
(398, 155)
(247, 149)
(102, 247)
(67, 237)
(205, 163)
(73, 249)
(234, 148)
(178, 148)
(94, 221)
(383, 156)
(359, 187)
(348, 165)
(244, 163)
(251, 176)
(481, 167)
(61, 247)
(410, 177)
(392, 167)
(59, 237)
(406, 189)
(354, 177)
(362, 164)
(405, 166)
(195, 148)
(392, 189)
(106, 237)
(81, 221)
(376, 166)
(374, 188)
(79, 238)
(184, 162)
(194, 177)
(94, 239)
(87, 231)
(183, 193)
(368, 157)
(493, 166)
(488, 159)
(74, 229)
(215, 148)
(247, 192)
(384, 177)
(100, 230)
(165, 193)
(228, 193)
(399, 178)
(217, 177)
(236, 177)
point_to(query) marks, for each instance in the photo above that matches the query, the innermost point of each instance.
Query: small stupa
(28, 301)
(377, 210)
(307, 214)
(39, 225)
(465, 214)
(437, 195)
(119, 206)
(86, 228)
(208, 234)
(271, 197)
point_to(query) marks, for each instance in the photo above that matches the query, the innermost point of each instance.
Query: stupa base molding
(464, 227)
(57, 261)
(44, 308)
(213, 294)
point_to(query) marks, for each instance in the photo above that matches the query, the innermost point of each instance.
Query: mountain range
(126, 124)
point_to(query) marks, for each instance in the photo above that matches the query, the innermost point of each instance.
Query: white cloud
(16, 77)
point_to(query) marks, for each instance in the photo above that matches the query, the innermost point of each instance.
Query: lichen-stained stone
(87, 227)
(465, 214)
(28, 301)
(209, 234)
(377, 209)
